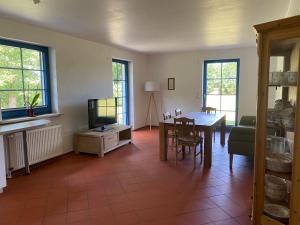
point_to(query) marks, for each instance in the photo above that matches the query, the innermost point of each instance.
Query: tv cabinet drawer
(110, 141)
(88, 144)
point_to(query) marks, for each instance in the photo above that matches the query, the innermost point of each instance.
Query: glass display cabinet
(277, 147)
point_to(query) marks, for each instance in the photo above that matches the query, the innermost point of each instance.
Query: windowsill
(24, 119)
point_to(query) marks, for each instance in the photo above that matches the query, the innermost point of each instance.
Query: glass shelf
(286, 176)
(282, 85)
(282, 97)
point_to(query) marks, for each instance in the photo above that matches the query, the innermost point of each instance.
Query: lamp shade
(151, 86)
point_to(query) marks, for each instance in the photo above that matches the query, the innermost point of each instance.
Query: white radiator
(43, 143)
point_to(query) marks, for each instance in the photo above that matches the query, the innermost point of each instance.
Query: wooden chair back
(184, 127)
(167, 115)
(178, 112)
(209, 110)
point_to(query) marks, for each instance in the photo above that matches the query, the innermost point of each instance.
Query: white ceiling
(151, 25)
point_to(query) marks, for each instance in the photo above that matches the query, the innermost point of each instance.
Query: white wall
(187, 69)
(83, 71)
(294, 8)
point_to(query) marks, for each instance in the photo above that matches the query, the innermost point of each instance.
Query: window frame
(126, 64)
(237, 91)
(47, 108)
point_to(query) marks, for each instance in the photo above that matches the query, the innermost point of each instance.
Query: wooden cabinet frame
(266, 33)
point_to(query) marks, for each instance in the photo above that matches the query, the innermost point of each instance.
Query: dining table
(204, 122)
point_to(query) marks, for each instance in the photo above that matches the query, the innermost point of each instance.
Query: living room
(83, 50)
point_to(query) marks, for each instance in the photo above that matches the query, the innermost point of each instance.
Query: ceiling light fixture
(36, 1)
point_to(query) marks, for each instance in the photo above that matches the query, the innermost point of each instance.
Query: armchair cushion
(242, 133)
(241, 141)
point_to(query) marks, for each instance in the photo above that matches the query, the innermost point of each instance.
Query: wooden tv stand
(101, 142)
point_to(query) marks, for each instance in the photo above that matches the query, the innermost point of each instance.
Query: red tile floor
(131, 186)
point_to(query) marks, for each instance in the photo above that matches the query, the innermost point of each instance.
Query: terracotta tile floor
(130, 186)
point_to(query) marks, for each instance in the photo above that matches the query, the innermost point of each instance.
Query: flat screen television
(102, 112)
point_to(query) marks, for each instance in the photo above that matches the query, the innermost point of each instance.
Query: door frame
(126, 63)
(237, 60)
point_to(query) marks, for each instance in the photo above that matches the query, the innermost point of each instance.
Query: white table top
(19, 127)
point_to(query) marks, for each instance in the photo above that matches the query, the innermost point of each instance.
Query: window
(24, 72)
(220, 89)
(120, 89)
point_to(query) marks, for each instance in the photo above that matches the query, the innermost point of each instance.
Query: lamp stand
(149, 109)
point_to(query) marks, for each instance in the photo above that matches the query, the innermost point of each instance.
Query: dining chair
(171, 133)
(167, 115)
(187, 135)
(178, 112)
(210, 110)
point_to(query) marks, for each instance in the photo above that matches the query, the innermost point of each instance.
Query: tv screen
(102, 112)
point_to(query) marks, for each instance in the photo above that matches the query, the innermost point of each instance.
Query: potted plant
(32, 104)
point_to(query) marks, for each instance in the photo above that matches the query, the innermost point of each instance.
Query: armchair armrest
(248, 121)
(242, 133)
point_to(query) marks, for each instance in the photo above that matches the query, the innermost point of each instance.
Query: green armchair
(241, 139)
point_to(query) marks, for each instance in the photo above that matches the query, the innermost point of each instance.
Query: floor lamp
(151, 87)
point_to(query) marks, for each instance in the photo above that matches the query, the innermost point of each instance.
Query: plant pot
(30, 112)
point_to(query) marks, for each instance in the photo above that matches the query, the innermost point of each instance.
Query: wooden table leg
(163, 142)
(223, 131)
(183, 151)
(207, 148)
(27, 169)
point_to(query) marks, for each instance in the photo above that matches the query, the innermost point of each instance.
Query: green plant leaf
(34, 100)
